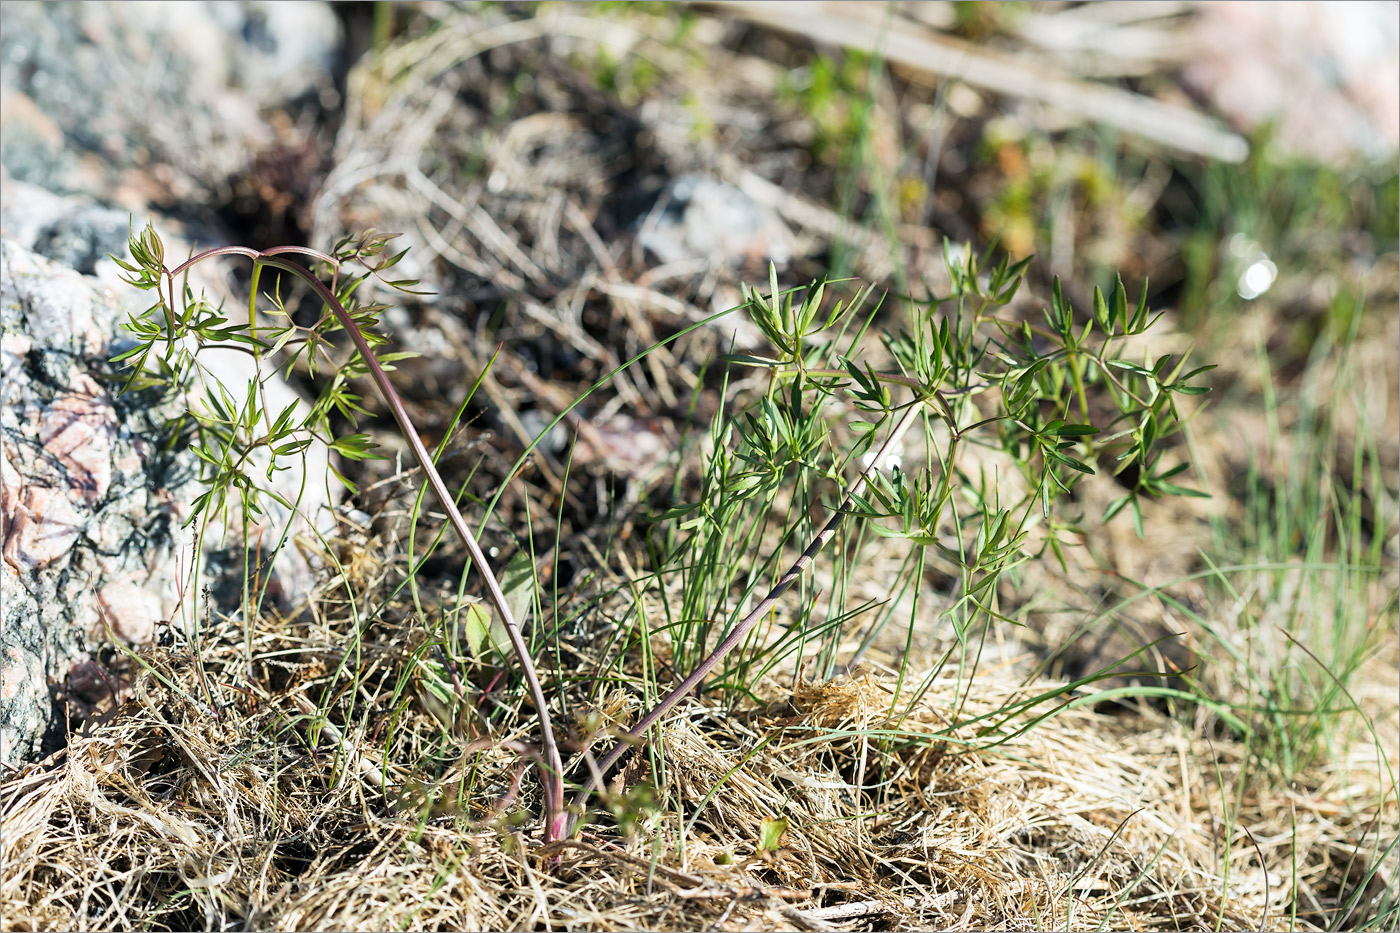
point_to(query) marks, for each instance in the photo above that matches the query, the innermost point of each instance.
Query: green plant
(1054, 399)
(1032, 391)
(226, 432)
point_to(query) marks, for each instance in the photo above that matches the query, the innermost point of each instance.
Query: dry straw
(264, 815)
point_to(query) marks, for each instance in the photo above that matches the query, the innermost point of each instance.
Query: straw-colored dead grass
(166, 816)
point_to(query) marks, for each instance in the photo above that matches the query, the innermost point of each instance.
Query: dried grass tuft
(269, 814)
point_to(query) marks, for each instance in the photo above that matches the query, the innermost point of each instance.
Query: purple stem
(551, 768)
(737, 634)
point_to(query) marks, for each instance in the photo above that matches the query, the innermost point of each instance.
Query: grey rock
(83, 238)
(94, 543)
(78, 232)
(142, 103)
(92, 507)
(703, 219)
(536, 423)
(73, 229)
(108, 108)
(72, 233)
(273, 51)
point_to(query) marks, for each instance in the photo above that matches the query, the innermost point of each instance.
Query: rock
(703, 219)
(93, 509)
(536, 422)
(142, 103)
(108, 109)
(73, 229)
(1326, 74)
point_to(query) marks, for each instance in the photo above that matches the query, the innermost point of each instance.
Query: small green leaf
(1130, 367)
(745, 359)
(344, 480)
(676, 511)
(1197, 371)
(1139, 321)
(1070, 430)
(1101, 311)
(771, 833)
(1070, 462)
(1175, 490)
(476, 624)
(518, 585)
(356, 447)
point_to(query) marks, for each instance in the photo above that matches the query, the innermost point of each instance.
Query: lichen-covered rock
(92, 538)
(142, 103)
(92, 508)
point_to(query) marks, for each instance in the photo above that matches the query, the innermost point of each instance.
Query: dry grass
(387, 813)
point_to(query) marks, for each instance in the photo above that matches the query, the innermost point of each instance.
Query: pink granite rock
(91, 529)
(108, 108)
(89, 543)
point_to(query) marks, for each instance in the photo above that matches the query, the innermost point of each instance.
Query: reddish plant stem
(551, 768)
(741, 629)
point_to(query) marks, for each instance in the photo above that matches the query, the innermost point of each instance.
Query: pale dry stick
(698, 888)
(547, 252)
(644, 294)
(1167, 124)
(852, 910)
(443, 247)
(553, 769)
(1113, 39)
(578, 220)
(366, 768)
(477, 221)
(661, 363)
(741, 629)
